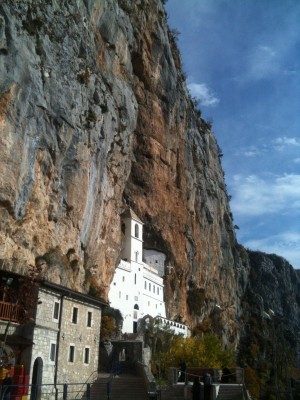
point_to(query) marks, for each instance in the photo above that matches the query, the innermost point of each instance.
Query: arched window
(136, 230)
(135, 311)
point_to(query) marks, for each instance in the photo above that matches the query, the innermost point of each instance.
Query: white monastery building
(137, 289)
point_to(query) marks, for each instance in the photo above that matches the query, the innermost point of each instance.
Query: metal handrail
(89, 380)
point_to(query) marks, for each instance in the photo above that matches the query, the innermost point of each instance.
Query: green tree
(196, 352)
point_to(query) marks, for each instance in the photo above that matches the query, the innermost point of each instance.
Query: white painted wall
(155, 259)
(137, 288)
(136, 285)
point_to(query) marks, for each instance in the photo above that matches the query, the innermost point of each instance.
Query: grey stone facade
(83, 338)
(61, 344)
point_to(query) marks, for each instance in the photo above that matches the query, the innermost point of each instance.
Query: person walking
(196, 389)
(207, 386)
(6, 387)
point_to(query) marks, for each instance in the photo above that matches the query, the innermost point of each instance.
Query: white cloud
(202, 92)
(281, 142)
(256, 196)
(251, 151)
(285, 244)
(263, 61)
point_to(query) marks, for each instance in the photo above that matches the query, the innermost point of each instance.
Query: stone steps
(175, 392)
(123, 387)
(230, 392)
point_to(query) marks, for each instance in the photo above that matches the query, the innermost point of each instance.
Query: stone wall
(45, 333)
(81, 337)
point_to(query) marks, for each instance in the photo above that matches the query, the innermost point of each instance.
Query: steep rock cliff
(270, 325)
(95, 116)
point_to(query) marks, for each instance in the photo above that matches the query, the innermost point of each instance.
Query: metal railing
(63, 391)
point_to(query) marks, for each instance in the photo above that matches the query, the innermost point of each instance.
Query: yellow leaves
(196, 352)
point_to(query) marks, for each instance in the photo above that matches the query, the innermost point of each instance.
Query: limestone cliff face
(95, 116)
(270, 320)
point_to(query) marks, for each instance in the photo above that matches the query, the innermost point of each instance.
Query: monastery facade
(137, 289)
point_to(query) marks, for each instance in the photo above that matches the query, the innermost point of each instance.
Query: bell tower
(133, 243)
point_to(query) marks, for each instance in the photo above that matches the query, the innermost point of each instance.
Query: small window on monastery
(119, 295)
(87, 355)
(136, 256)
(150, 287)
(56, 311)
(136, 230)
(153, 288)
(123, 278)
(126, 296)
(75, 315)
(52, 352)
(89, 319)
(145, 285)
(148, 303)
(135, 279)
(71, 357)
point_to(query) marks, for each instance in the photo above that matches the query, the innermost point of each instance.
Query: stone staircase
(230, 392)
(175, 392)
(126, 386)
(180, 392)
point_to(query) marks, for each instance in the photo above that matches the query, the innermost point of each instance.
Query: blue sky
(242, 60)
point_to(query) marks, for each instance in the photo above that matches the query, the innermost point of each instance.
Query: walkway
(124, 387)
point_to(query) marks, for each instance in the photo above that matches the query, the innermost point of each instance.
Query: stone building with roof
(61, 343)
(137, 288)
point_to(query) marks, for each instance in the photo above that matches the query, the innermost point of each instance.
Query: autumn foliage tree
(111, 321)
(206, 352)
(24, 294)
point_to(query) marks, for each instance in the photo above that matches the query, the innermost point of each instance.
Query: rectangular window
(75, 315)
(71, 357)
(157, 290)
(145, 285)
(123, 278)
(119, 295)
(52, 352)
(87, 355)
(126, 296)
(89, 319)
(153, 288)
(150, 287)
(56, 311)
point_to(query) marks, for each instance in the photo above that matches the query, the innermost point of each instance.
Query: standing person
(225, 375)
(196, 389)
(207, 386)
(182, 371)
(6, 387)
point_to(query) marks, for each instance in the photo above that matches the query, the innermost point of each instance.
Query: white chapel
(137, 288)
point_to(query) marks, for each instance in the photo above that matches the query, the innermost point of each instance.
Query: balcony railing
(9, 311)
